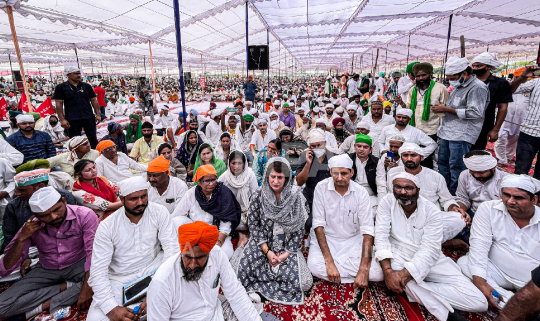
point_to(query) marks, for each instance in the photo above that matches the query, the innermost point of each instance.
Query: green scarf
(362, 83)
(2, 133)
(427, 102)
(329, 86)
(218, 164)
(136, 136)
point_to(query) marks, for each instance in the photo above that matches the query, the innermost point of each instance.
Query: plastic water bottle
(497, 299)
(136, 310)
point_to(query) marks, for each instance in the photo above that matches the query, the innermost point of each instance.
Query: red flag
(23, 105)
(3, 109)
(46, 108)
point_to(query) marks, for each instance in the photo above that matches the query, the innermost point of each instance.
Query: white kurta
(414, 243)
(472, 193)
(345, 219)
(9, 153)
(380, 179)
(261, 142)
(171, 197)
(7, 184)
(376, 129)
(213, 132)
(120, 171)
(124, 251)
(500, 248)
(189, 210)
(411, 134)
(171, 297)
(165, 121)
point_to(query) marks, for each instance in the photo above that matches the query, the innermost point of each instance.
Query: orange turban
(198, 233)
(104, 144)
(204, 170)
(131, 98)
(158, 165)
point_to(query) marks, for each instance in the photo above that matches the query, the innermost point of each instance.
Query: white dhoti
(117, 284)
(505, 146)
(442, 290)
(498, 280)
(226, 247)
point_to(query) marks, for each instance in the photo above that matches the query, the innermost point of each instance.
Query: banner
(46, 108)
(202, 81)
(3, 109)
(23, 105)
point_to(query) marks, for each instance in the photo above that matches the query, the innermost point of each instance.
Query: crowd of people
(204, 215)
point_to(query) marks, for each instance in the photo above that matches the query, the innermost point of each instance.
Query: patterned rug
(511, 165)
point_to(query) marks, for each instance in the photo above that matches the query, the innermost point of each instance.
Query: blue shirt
(250, 90)
(39, 146)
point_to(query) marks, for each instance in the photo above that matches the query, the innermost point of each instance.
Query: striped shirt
(532, 119)
(40, 146)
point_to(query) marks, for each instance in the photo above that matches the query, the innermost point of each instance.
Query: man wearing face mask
(500, 95)
(462, 121)
(146, 145)
(313, 167)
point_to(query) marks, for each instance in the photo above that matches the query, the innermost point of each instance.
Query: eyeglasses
(209, 181)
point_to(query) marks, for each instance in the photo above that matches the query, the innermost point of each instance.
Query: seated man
(342, 236)
(408, 235)
(164, 120)
(331, 142)
(17, 211)
(61, 277)
(261, 137)
(482, 182)
(147, 240)
(145, 145)
(504, 240)
(79, 148)
(114, 165)
(164, 189)
(433, 188)
(348, 144)
(33, 144)
(186, 287)
(368, 170)
(393, 160)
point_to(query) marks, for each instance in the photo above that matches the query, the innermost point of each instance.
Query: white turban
(524, 182)
(132, 185)
(70, 69)
(43, 199)
(138, 109)
(262, 120)
(408, 176)
(340, 110)
(455, 65)
(342, 160)
(487, 58)
(316, 109)
(398, 138)
(253, 111)
(165, 107)
(329, 106)
(25, 119)
(214, 112)
(404, 111)
(480, 163)
(328, 77)
(273, 113)
(248, 102)
(410, 147)
(320, 121)
(352, 107)
(363, 124)
(316, 135)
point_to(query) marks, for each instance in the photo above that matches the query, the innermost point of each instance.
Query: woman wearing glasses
(210, 202)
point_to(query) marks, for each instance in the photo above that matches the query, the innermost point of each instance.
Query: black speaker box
(258, 57)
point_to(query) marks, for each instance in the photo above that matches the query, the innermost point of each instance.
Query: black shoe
(456, 316)
(18, 317)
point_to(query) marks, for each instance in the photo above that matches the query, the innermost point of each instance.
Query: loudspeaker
(17, 75)
(258, 57)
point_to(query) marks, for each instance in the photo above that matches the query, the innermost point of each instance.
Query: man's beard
(485, 179)
(411, 165)
(404, 199)
(329, 112)
(339, 132)
(423, 84)
(27, 129)
(400, 123)
(147, 135)
(192, 274)
(132, 212)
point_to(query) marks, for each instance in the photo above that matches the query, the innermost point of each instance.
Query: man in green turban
(134, 130)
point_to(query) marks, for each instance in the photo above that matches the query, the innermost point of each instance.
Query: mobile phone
(391, 155)
(232, 109)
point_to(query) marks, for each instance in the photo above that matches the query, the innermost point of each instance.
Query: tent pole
(447, 44)
(202, 75)
(50, 71)
(91, 63)
(408, 47)
(268, 44)
(228, 76)
(11, 67)
(352, 65)
(9, 10)
(247, 42)
(179, 53)
(76, 56)
(153, 78)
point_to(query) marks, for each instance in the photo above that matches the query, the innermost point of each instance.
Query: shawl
(427, 103)
(186, 152)
(290, 212)
(222, 205)
(103, 190)
(136, 135)
(56, 132)
(218, 164)
(241, 181)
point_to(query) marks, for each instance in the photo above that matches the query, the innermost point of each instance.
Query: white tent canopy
(311, 36)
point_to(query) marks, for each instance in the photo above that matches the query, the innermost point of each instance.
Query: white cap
(455, 65)
(398, 138)
(320, 121)
(522, 181)
(132, 185)
(248, 102)
(480, 163)
(25, 119)
(70, 69)
(404, 111)
(329, 106)
(408, 176)
(352, 107)
(316, 109)
(340, 110)
(316, 135)
(342, 160)
(43, 199)
(363, 124)
(487, 58)
(410, 147)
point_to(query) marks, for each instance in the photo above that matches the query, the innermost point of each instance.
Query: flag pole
(153, 78)
(9, 10)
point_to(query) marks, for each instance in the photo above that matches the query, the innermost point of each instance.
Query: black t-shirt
(536, 276)
(499, 93)
(76, 100)
(317, 173)
(363, 91)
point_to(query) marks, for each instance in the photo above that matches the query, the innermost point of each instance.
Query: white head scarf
(70, 69)
(408, 176)
(487, 58)
(480, 163)
(524, 182)
(455, 65)
(364, 125)
(404, 111)
(316, 135)
(410, 147)
(25, 119)
(56, 132)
